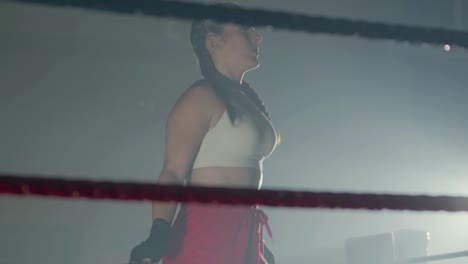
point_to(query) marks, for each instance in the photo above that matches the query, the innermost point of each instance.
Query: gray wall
(85, 95)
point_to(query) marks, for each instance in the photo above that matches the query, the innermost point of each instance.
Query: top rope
(26, 186)
(275, 19)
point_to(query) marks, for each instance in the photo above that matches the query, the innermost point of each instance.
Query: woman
(217, 134)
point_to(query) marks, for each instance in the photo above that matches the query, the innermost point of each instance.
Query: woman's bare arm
(187, 124)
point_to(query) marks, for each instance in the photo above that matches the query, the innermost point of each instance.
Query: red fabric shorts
(217, 234)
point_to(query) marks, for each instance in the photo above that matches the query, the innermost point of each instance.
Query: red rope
(27, 186)
(277, 19)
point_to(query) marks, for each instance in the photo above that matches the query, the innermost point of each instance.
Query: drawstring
(263, 219)
(260, 220)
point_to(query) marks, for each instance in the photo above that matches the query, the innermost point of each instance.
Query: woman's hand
(152, 249)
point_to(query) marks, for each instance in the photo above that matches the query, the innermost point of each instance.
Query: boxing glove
(154, 246)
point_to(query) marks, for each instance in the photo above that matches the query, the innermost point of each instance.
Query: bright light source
(447, 47)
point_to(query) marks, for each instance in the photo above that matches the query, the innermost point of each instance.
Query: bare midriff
(231, 177)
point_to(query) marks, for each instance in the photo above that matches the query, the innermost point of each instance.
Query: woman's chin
(253, 65)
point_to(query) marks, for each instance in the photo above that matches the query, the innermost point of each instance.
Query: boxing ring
(46, 185)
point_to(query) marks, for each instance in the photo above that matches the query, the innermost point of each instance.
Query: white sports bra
(245, 144)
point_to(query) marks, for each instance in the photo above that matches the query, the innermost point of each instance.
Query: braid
(220, 84)
(254, 97)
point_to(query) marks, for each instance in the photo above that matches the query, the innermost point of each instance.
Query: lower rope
(435, 257)
(36, 186)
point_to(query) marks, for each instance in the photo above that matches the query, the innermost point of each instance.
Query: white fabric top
(245, 144)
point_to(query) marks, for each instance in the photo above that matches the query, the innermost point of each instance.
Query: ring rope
(276, 19)
(432, 258)
(27, 186)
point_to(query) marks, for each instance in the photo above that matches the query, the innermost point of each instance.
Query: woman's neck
(232, 75)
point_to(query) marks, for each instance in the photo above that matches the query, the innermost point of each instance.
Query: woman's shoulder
(201, 94)
(203, 86)
(203, 89)
(202, 83)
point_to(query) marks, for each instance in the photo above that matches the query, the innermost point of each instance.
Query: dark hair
(221, 85)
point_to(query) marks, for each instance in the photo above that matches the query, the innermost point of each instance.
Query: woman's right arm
(187, 125)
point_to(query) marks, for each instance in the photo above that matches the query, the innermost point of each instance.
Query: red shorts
(217, 234)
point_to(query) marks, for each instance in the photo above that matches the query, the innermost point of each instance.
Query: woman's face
(238, 48)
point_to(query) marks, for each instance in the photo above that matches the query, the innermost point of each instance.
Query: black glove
(155, 245)
(269, 257)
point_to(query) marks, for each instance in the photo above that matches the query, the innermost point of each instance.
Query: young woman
(218, 134)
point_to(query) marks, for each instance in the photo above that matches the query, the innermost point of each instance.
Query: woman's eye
(246, 29)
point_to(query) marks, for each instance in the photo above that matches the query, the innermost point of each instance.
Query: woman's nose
(258, 38)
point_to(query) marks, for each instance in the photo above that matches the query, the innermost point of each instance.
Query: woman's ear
(213, 41)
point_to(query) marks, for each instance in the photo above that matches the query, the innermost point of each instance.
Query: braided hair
(222, 86)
